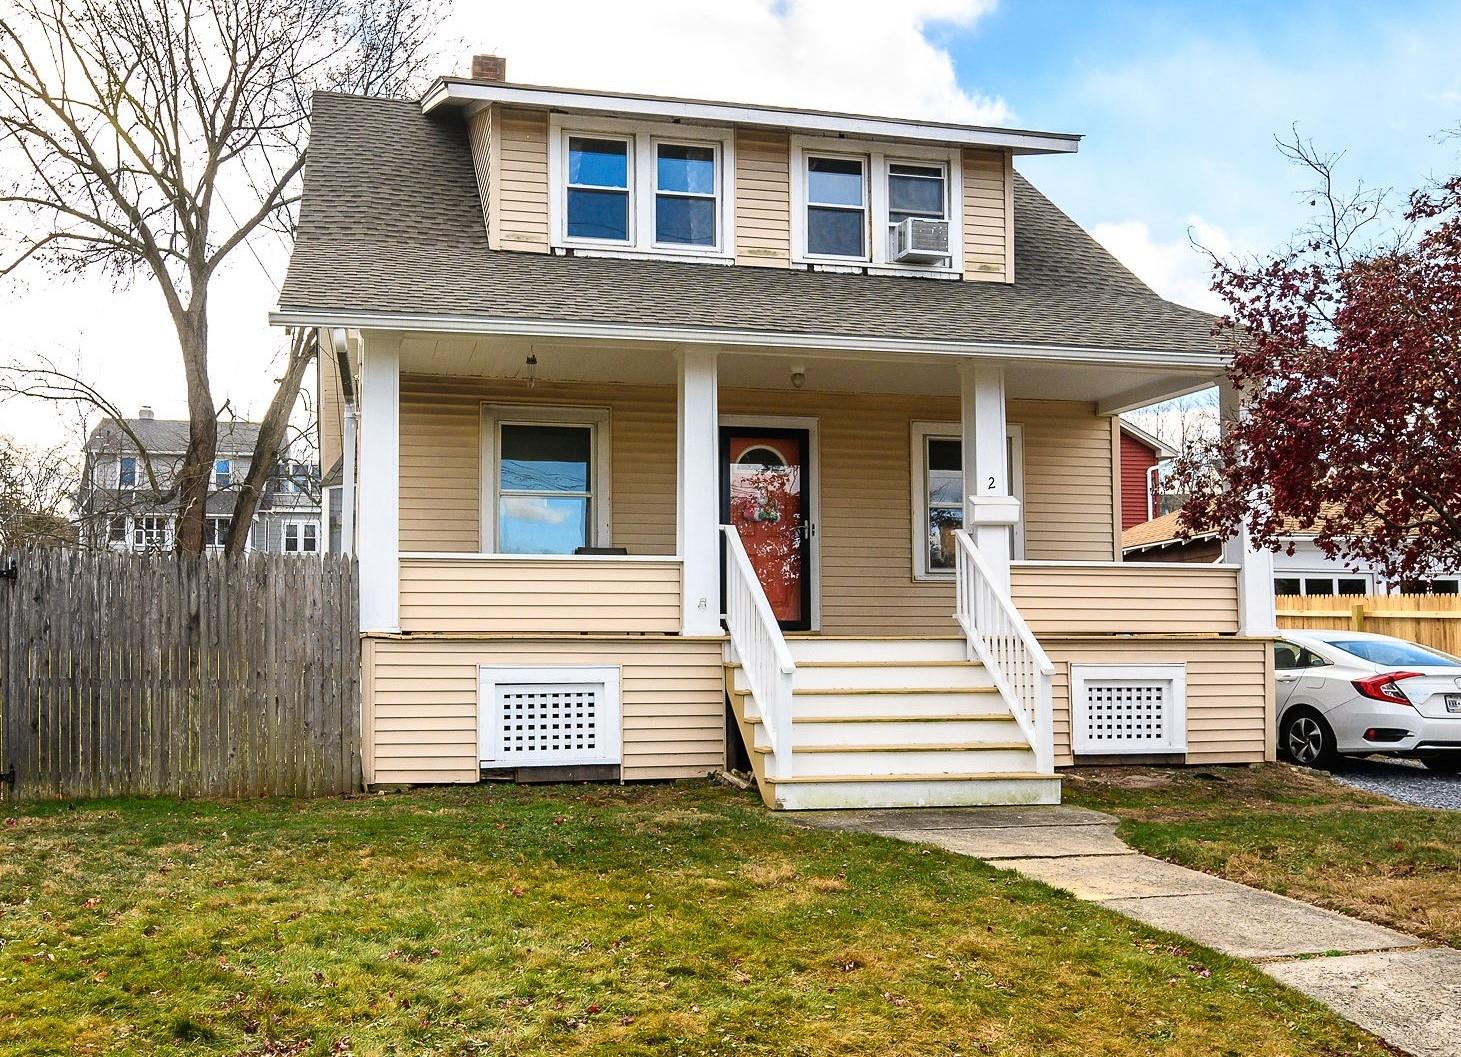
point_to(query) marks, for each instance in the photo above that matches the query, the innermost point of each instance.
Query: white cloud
(867, 56)
(1175, 268)
(530, 508)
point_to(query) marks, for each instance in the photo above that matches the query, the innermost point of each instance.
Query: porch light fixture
(798, 376)
(532, 366)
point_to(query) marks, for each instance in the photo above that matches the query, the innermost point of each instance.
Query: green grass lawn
(1294, 832)
(572, 920)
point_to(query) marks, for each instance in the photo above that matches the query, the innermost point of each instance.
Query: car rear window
(1381, 651)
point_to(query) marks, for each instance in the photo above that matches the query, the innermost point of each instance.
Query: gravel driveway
(1403, 780)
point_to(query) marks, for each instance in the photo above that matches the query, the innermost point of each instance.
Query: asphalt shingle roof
(392, 223)
(166, 435)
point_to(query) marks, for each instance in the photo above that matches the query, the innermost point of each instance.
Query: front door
(765, 494)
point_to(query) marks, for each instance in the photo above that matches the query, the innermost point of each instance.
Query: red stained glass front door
(766, 495)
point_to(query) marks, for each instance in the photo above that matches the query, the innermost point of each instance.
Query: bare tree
(155, 138)
(35, 487)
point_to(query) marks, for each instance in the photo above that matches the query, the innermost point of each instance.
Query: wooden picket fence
(1431, 620)
(124, 674)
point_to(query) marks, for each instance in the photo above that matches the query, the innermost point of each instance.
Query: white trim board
(608, 715)
(466, 92)
(1213, 362)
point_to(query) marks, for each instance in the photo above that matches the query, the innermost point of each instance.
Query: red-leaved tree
(1348, 355)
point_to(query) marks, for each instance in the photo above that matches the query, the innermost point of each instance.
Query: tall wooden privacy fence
(193, 676)
(1431, 620)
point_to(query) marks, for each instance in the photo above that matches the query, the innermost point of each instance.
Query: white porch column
(379, 490)
(1256, 614)
(992, 510)
(697, 527)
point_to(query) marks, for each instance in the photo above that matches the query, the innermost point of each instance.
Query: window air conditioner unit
(919, 241)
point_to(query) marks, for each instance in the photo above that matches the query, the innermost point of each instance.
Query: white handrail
(1006, 646)
(760, 648)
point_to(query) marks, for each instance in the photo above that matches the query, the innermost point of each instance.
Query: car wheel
(1307, 740)
(1448, 764)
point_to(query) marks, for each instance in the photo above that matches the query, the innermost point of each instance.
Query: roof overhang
(1199, 368)
(1141, 436)
(470, 94)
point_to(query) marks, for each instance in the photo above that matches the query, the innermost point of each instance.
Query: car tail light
(1383, 687)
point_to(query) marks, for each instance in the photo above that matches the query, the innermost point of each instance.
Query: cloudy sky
(1179, 104)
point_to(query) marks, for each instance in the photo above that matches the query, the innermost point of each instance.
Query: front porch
(442, 601)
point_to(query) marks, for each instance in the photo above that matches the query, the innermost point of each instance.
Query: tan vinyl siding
(1230, 714)
(763, 198)
(865, 533)
(1126, 599)
(536, 595)
(421, 703)
(441, 449)
(332, 410)
(1069, 481)
(519, 181)
(988, 216)
(480, 131)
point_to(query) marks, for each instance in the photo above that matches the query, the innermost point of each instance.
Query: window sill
(574, 250)
(907, 271)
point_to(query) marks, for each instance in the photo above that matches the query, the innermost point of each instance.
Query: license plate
(1453, 703)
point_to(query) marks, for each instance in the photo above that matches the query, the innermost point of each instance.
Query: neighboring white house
(122, 507)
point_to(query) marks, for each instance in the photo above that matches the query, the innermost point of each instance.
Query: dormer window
(837, 207)
(598, 189)
(640, 189)
(848, 203)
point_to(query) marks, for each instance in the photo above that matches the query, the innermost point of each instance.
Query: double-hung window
(837, 207)
(846, 205)
(598, 186)
(127, 471)
(640, 188)
(215, 532)
(939, 496)
(222, 473)
(685, 206)
(116, 529)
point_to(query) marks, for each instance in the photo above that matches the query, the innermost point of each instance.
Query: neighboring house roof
(1147, 440)
(1159, 532)
(163, 436)
(391, 225)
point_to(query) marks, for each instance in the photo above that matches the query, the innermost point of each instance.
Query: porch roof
(391, 228)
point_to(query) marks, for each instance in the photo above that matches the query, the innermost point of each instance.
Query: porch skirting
(420, 701)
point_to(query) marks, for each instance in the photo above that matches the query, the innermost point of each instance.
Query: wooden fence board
(124, 674)
(1431, 620)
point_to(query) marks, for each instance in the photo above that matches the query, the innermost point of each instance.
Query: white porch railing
(1003, 642)
(760, 649)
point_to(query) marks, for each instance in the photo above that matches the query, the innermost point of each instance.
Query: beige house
(677, 433)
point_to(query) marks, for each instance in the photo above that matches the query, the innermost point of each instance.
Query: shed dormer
(575, 172)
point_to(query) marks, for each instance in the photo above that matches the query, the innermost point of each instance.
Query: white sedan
(1349, 693)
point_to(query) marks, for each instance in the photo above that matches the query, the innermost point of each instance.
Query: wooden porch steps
(885, 721)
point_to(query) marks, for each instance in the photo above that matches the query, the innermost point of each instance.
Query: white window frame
(610, 717)
(136, 473)
(299, 525)
(124, 522)
(140, 531)
(642, 137)
(596, 419)
(222, 535)
(877, 157)
(1323, 574)
(1175, 674)
(921, 432)
(227, 464)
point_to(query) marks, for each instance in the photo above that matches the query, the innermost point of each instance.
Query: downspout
(340, 347)
(1151, 490)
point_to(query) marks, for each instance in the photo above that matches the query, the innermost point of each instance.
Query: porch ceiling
(1113, 387)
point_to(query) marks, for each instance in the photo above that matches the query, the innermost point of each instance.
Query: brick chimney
(489, 68)
(144, 413)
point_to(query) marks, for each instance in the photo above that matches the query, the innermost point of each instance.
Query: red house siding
(1136, 460)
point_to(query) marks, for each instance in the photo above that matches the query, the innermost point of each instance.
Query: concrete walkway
(1404, 990)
